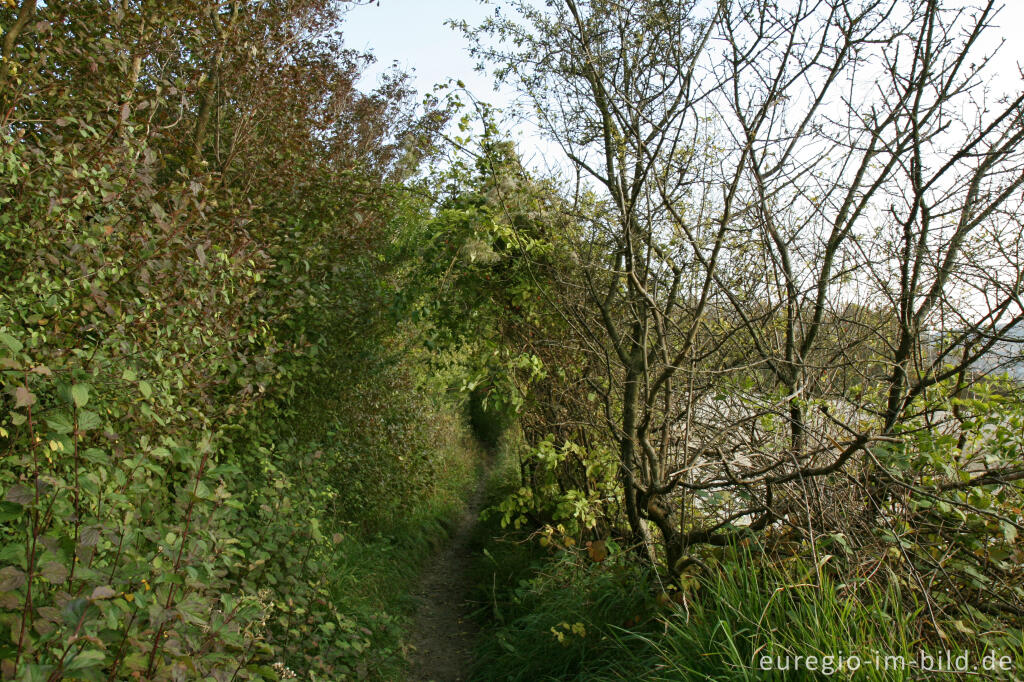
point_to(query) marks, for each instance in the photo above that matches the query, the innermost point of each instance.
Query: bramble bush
(199, 406)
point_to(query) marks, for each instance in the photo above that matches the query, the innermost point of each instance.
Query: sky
(412, 33)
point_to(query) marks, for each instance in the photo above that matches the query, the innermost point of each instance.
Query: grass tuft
(558, 615)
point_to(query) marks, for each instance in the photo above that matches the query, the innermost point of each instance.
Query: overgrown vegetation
(738, 349)
(217, 461)
(557, 610)
(763, 325)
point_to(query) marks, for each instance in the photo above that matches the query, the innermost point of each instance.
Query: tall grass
(374, 573)
(558, 615)
(546, 616)
(751, 619)
(555, 624)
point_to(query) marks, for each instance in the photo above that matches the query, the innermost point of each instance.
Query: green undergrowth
(553, 613)
(391, 466)
(373, 574)
(751, 620)
(548, 614)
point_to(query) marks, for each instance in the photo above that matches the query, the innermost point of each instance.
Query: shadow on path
(443, 634)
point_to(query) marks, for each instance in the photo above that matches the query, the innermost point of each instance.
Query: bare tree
(810, 231)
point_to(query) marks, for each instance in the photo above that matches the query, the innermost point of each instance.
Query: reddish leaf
(102, 592)
(597, 550)
(11, 578)
(19, 494)
(55, 572)
(23, 397)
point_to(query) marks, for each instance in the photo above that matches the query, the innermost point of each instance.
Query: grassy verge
(750, 620)
(375, 572)
(548, 614)
(555, 614)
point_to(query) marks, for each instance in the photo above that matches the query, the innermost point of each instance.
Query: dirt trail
(443, 634)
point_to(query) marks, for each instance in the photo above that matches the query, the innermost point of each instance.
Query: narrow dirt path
(443, 634)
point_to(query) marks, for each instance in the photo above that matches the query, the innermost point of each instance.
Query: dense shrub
(199, 404)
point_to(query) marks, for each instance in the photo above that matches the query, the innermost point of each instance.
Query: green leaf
(145, 389)
(1009, 532)
(37, 672)
(80, 394)
(61, 423)
(95, 455)
(10, 511)
(13, 554)
(87, 421)
(11, 342)
(76, 611)
(86, 659)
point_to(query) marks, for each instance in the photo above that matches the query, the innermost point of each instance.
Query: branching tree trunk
(810, 224)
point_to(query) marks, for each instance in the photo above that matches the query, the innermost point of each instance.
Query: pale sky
(413, 34)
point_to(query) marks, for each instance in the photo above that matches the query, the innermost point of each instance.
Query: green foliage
(491, 232)
(565, 617)
(488, 419)
(555, 624)
(351, 623)
(550, 610)
(547, 500)
(752, 607)
(201, 421)
(232, 320)
(558, 610)
(959, 522)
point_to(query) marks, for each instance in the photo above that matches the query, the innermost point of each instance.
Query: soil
(443, 634)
